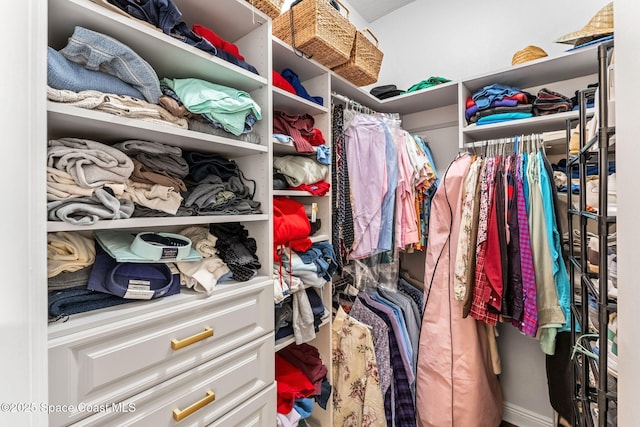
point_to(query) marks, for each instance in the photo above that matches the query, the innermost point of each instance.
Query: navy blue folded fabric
(293, 78)
(132, 280)
(79, 299)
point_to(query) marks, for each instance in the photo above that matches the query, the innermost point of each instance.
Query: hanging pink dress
(455, 383)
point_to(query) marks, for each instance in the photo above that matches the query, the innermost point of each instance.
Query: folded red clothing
(217, 41)
(316, 138)
(318, 189)
(470, 103)
(282, 83)
(520, 97)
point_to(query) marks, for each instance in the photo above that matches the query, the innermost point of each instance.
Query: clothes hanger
(579, 348)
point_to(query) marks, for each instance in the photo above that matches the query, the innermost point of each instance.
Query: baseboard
(521, 417)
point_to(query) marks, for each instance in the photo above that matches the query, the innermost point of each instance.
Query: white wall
(461, 38)
(23, 305)
(627, 155)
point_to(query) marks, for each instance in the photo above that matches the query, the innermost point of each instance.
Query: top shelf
(434, 97)
(168, 56)
(566, 66)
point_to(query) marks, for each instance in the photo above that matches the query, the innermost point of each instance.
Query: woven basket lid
(529, 53)
(600, 25)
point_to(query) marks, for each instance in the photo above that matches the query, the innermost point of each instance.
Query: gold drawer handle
(178, 344)
(179, 415)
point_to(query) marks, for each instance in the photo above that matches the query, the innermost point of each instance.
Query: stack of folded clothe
(299, 130)
(301, 268)
(95, 71)
(550, 102)
(156, 181)
(95, 61)
(86, 181)
(304, 361)
(70, 257)
(279, 81)
(204, 275)
(165, 16)
(216, 186)
(139, 265)
(117, 266)
(122, 267)
(497, 103)
(303, 174)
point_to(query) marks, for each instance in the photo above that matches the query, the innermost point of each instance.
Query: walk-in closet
(320, 213)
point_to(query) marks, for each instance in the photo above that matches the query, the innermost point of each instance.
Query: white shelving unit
(87, 353)
(316, 80)
(565, 74)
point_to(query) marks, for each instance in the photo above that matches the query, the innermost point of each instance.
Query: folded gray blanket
(88, 210)
(156, 156)
(90, 163)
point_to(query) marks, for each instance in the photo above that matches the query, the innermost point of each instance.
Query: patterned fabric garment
(401, 401)
(336, 129)
(357, 397)
(466, 228)
(482, 288)
(529, 323)
(380, 334)
(342, 216)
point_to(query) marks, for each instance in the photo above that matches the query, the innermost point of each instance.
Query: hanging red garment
(291, 226)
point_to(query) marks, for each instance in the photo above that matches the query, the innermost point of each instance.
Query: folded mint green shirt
(225, 105)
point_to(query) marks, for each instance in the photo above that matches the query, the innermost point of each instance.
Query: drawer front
(260, 411)
(110, 366)
(215, 387)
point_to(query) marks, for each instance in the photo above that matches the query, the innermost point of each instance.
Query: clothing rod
(508, 140)
(351, 102)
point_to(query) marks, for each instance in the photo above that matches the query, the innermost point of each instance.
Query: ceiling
(374, 9)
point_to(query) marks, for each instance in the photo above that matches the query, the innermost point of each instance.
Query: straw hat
(529, 53)
(600, 25)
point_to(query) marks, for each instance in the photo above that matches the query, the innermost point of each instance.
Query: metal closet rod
(521, 144)
(533, 137)
(353, 104)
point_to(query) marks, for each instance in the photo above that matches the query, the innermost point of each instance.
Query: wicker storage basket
(363, 66)
(319, 31)
(271, 8)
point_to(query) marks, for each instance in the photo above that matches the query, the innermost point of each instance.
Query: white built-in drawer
(114, 361)
(259, 411)
(212, 390)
